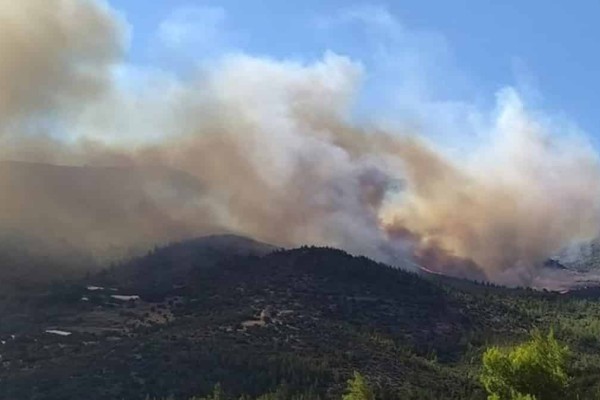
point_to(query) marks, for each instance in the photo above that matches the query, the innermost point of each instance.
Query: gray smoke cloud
(267, 149)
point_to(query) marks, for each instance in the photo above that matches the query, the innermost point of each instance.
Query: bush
(534, 370)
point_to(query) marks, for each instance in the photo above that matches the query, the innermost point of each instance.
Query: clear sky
(451, 54)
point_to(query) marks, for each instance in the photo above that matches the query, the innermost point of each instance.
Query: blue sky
(456, 53)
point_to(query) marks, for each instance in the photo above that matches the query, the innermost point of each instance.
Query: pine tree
(358, 389)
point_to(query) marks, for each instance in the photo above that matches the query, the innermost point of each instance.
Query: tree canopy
(534, 370)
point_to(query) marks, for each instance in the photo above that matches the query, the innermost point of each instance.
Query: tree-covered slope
(253, 320)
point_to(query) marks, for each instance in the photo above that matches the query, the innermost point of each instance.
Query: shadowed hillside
(228, 310)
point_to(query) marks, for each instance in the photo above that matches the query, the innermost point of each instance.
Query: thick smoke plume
(54, 54)
(267, 149)
(510, 206)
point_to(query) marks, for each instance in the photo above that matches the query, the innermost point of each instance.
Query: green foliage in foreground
(535, 370)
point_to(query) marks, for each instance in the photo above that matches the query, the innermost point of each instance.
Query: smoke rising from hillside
(266, 149)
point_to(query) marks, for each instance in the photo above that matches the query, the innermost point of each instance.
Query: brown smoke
(266, 149)
(519, 202)
(55, 54)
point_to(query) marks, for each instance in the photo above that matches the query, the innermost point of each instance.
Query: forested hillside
(256, 321)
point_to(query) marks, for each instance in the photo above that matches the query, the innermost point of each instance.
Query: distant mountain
(554, 264)
(231, 310)
(165, 268)
(28, 261)
(58, 220)
(94, 207)
(583, 257)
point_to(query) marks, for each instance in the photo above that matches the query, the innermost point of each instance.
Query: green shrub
(534, 370)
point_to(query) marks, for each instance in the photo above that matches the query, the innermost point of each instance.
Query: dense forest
(530, 371)
(231, 318)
